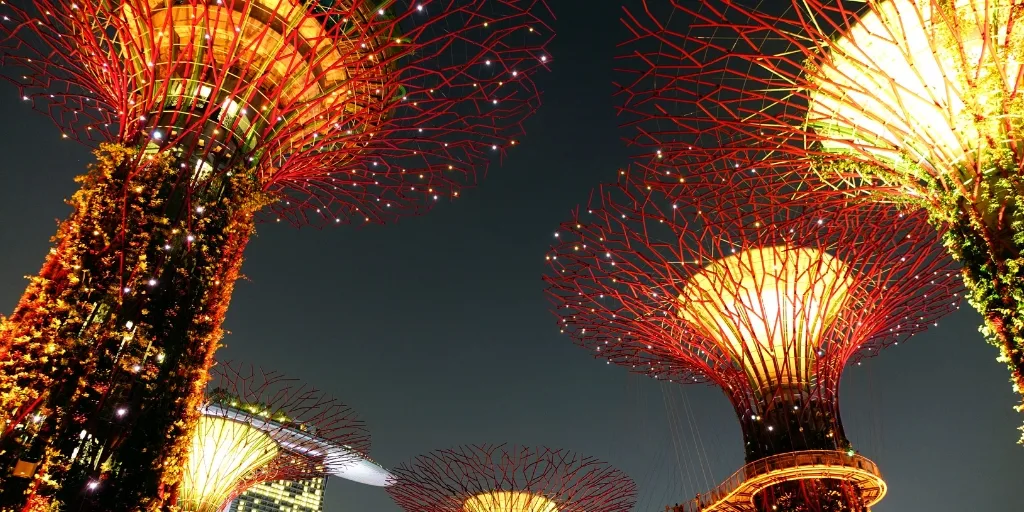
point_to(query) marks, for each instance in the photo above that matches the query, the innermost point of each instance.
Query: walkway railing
(784, 461)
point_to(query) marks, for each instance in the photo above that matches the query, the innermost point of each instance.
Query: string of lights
(506, 478)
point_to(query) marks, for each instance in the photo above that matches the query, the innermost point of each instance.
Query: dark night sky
(437, 331)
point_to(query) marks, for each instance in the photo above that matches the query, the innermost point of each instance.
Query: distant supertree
(767, 302)
(209, 114)
(504, 478)
(258, 426)
(912, 101)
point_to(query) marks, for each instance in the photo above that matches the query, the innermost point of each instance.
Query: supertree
(257, 426)
(504, 478)
(210, 115)
(766, 301)
(909, 101)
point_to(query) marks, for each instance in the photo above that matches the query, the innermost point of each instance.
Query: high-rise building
(282, 496)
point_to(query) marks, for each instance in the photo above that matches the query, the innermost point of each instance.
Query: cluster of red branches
(916, 103)
(313, 423)
(347, 111)
(510, 478)
(260, 426)
(620, 272)
(905, 80)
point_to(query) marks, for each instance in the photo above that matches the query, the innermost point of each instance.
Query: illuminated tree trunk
(791, 424)
(794, 423)
(106, 355)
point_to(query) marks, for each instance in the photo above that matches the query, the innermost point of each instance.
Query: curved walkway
(736, 494)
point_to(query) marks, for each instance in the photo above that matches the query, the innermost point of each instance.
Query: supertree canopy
(912, 101)
(258, 426)
(207, 115)
(768, 302)
(504, 478)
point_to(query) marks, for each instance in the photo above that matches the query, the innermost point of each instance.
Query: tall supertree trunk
(106, 355)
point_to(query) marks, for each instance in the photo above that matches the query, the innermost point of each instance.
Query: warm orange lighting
(223, 453)
(768, 308)
(509, 501)
(268, 45)
(894, 84)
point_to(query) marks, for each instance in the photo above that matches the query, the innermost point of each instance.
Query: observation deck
(339, 460)
(736, 493)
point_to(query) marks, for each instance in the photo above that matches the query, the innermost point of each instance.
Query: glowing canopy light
(907, 101)
(640, 279)
(280, 56)
(768, 309)
(257, 426)
(224, 453)
(895, 83)
(509, 501)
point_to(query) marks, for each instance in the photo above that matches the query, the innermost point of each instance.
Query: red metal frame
(915, 102)
(619, 266)
(725, 75)
(437, 89)
(442, 481)
(306, 407)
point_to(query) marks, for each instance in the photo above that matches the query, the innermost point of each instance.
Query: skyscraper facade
(282, 496)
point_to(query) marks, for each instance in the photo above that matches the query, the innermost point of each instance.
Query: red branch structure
(208, 115)
(504, 478)
(351, 111)
(259, 426)
(767, 301)
(915, 102)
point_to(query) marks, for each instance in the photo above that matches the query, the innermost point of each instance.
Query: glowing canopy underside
(509, 501)
(768, 309)
(894, 84)
(224, 453)
(273, 68)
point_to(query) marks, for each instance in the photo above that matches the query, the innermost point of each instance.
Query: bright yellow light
(895, 85)
(269, 46)
(768, 309)
(509, 501)
(224, 452)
